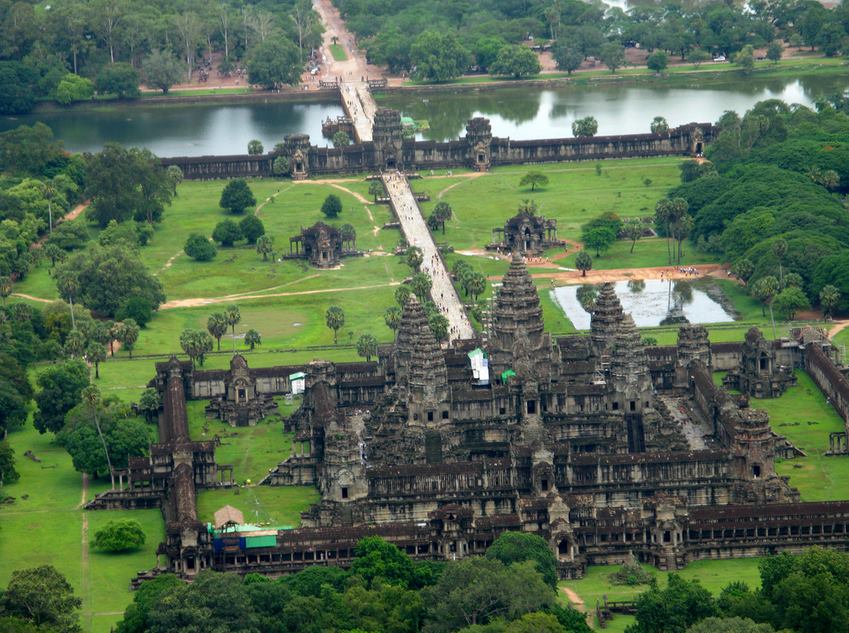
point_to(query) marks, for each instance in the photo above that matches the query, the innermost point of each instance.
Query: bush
(237, 196)
(136, 308)
(332, 206)
(226, 232)
(120, 79)
(631, 574)
(119, 536)
(252, 228)
(74, 88)
(199, 248)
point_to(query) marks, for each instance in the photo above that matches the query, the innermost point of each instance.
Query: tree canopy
(106, 277)
(126, 184)
(237, 196)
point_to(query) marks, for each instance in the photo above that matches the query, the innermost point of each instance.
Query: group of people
(690, 271)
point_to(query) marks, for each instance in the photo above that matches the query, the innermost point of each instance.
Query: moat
(518, 113)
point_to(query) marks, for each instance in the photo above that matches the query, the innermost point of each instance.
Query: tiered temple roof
(606, 317)
(517, 306)
(420, 360)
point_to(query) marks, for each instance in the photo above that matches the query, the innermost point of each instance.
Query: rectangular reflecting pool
(649, 302)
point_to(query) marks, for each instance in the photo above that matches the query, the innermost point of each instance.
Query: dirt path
(837, 328)
(31, 298)
(238, 295)
(574, 247)
(270, 199)
(169, 263)
(466, 178)
(359, 197)
(204, 301)
(73, 214)
(84, 558)
(574, 599)
(622, 274)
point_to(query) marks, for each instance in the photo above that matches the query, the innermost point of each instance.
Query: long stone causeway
(415, 230)
(361, 108)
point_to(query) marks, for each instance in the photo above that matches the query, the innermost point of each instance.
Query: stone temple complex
(600, 445)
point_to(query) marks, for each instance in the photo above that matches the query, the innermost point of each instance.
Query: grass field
(647, 253)
(792, 66)
(574, 195)
(286, 301)
(251, 450)
(805, 417)
(338, 52)
(266, 505)
(714, 575)
(46, 525)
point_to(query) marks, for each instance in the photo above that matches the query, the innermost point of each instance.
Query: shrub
(119, 536)
(136, 308)
(227, 232)
(237, 196)
(199, 248)
(252, 228)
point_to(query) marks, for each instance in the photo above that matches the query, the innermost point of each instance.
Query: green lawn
(45, 526)
(703, 72)
(804, 416)
(277, 505)
(338, 53)
(647, 253)
(714, 575)
(574, 195)
(251, 450)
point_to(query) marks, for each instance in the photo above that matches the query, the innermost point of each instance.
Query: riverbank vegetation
(471, 37)
(67, 51)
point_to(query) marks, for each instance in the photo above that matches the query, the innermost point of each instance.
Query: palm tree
(91, 396)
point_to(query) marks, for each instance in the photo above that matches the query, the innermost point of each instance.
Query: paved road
(417, 234)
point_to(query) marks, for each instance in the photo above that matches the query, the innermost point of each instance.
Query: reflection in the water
(184, 130)
(650, 302)
(523, 113)
(518, 113)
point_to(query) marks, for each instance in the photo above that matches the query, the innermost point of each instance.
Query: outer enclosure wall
(363, 157)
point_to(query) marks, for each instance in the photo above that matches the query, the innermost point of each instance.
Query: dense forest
(771, 202)
(67, 50)
(397, 33)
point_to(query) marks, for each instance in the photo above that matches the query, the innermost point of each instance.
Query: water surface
(648, 303)
(620, 108)
(184, 130)
(526, 113)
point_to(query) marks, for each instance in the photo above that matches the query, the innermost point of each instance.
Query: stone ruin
(240, 405)
(764, 371)
(321, 245)
(526, 233)
(602, 446)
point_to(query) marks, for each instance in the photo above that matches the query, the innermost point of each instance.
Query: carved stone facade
(321, 245)
(526, 233)
(761, 373)
(241, 404)
(603, 447)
